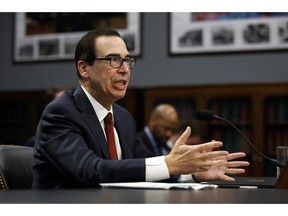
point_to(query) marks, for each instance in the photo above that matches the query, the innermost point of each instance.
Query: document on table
(159, 185)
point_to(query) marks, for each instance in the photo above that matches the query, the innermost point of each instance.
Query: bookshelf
(258, 110)
(19, 114)
(276, 125)
(238, 111)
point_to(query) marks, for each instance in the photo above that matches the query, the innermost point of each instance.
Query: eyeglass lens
(117, 61)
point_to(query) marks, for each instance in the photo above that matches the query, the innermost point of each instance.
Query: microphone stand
(275, 162)
(282, 181)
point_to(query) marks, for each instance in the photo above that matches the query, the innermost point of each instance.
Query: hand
(187, 159)
(220, 172)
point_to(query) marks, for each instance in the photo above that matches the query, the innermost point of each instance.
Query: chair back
(16, 167)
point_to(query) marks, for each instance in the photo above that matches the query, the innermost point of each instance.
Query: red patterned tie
(110, 136)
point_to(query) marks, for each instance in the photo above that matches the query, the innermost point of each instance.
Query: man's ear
(83, 68)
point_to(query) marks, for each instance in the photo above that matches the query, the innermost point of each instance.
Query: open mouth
(120, 84)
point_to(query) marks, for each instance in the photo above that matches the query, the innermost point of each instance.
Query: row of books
(277, 109)
(232, 141)
(276, 138)
(232, 109)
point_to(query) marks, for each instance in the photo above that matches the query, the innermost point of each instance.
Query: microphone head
(206, 115)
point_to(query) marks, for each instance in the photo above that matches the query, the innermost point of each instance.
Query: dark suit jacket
(143, 136)
(145, 139)
(71, 149)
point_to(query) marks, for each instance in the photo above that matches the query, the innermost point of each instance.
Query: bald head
(163, 121)
(165, 111)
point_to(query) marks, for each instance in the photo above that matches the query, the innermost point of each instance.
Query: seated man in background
(84, 138)
(162, 124)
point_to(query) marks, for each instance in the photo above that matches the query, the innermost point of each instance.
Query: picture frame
(200, 33)
(54, 36)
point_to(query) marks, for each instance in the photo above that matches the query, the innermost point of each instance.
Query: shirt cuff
(156, 169)
(186, 178)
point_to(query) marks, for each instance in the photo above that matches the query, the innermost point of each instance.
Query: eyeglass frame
(122, 60)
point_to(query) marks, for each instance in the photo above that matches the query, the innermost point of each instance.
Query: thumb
(184, 137)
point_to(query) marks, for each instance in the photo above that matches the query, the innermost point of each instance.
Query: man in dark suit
(71, 148)
(162, 124)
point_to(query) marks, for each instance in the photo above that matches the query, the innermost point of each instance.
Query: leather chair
(15, 167)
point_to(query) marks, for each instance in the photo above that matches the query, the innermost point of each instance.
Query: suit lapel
(90, 118)
(122, 130)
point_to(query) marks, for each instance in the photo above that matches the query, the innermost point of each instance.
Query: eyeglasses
(117, 61)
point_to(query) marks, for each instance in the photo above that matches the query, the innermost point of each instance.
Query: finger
(209, 146)
(235, 155)
(184, 137)
(233, 164)
(215, 155)
(227, 178)
(206, 165)
(233, 171)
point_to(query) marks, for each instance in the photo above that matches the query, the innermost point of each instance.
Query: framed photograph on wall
(54, 36)
(194, 33)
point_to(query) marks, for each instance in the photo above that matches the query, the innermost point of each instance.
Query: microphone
(209, 115)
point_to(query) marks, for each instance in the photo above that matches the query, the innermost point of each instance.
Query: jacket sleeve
(69, 154)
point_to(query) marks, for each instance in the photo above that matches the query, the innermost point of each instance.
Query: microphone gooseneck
(209, 115)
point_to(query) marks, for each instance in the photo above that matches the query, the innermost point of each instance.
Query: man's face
(163, 128)
(106, 83)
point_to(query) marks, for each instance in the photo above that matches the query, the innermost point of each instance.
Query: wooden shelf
(245, 105)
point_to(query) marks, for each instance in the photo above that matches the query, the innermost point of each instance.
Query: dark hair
(85, 49)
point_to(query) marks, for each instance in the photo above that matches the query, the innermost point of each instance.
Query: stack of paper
(159, 185)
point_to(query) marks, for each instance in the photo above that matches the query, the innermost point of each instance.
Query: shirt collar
(100, 111)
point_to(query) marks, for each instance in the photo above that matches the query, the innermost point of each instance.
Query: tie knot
(108, 118)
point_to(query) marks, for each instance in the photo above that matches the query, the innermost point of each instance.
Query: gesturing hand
(187, 159)
(220, 172)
